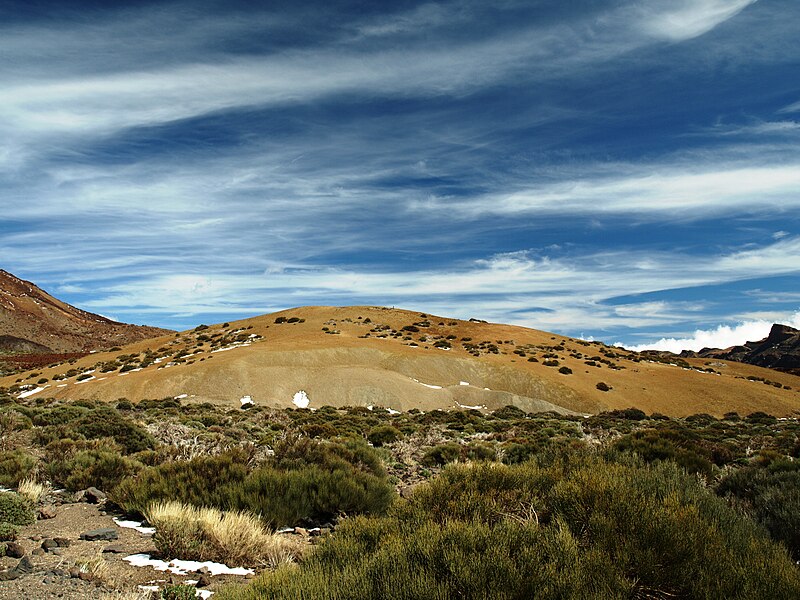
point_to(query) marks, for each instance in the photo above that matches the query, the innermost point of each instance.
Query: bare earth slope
(373, 356)
(29, 314)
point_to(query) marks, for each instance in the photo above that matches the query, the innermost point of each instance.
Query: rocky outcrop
(780, 350)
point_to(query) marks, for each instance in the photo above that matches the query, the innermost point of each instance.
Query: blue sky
(615, 169)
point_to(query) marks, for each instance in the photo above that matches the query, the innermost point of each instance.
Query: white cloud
(723, 336)
(676, 191)
(687, 19)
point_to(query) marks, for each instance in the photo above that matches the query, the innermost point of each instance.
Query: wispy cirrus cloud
(534, 163)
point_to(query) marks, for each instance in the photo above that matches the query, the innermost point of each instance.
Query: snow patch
(427, 385)
(470, 407)
(135, 525)
(463, 383)
(301, 399)
(32, 392)
(184, 567)
(85, 380)
(181, 396)
(245, 400)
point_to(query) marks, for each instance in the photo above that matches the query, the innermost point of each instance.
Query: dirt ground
(51, 569)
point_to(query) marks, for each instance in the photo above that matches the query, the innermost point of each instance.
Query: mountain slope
(780, 350)
(31, 320)
(373, 356)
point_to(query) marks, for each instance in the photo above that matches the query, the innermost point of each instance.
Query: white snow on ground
(184, 567)
(84, 380)
(181, 396)
(427, 385)
(301, 399)
(393, 411)
(226, 348)
(62, 385)
(246, 400)
(32, 392)
(470, 407)
(463, 383)
(135, 525)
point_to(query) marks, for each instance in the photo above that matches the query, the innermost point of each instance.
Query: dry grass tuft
(234, 538)
(32, 490)
(95, 566)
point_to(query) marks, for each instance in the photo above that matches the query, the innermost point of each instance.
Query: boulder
(97, 535)
(93, 496)
(14, 550)
(47, 512)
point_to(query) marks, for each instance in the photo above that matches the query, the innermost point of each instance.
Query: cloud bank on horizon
(616, 169)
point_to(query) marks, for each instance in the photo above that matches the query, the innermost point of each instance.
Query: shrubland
(503, 504)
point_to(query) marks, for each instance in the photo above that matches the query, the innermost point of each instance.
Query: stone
(24, 566)
(57, 551)
(14, 550)
(114, 549)
(49, 544)
(93, 496)
(37, 552)
(47, 512)
(203, 581)
(74, 572)
(62, 542)
(97, 535)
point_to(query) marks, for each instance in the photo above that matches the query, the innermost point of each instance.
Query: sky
(621, 170)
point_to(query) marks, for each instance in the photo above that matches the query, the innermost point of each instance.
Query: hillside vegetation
(439, 504)
(365, 356)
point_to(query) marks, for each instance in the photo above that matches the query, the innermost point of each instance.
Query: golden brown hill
(397, 359)
(32, 318)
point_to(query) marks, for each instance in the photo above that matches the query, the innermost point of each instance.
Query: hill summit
(371, 356)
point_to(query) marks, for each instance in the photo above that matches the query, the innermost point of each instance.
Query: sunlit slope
(372, 356)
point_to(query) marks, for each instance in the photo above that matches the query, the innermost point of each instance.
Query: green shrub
(579, 528)
(441, 455)
(15, 509)
(678, 445)
(107, 422)
(103, 468)
(306, 479)
(771, 495)
(15, 465)
(178, 592)
(385, 434)
(8, 533)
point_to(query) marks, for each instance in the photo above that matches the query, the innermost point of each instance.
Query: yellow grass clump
(233, 538)
(32, 490)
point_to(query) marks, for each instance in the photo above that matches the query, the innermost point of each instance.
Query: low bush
(15, 509)
(578, 528)
(15, 465)
(385, 434)
(106, 422)
(771, 495)
(101, 467)
(306, 480)
(441, 455)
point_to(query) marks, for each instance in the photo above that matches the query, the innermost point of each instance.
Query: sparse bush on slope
(306, 480)
(771, 495)
(577, 528)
